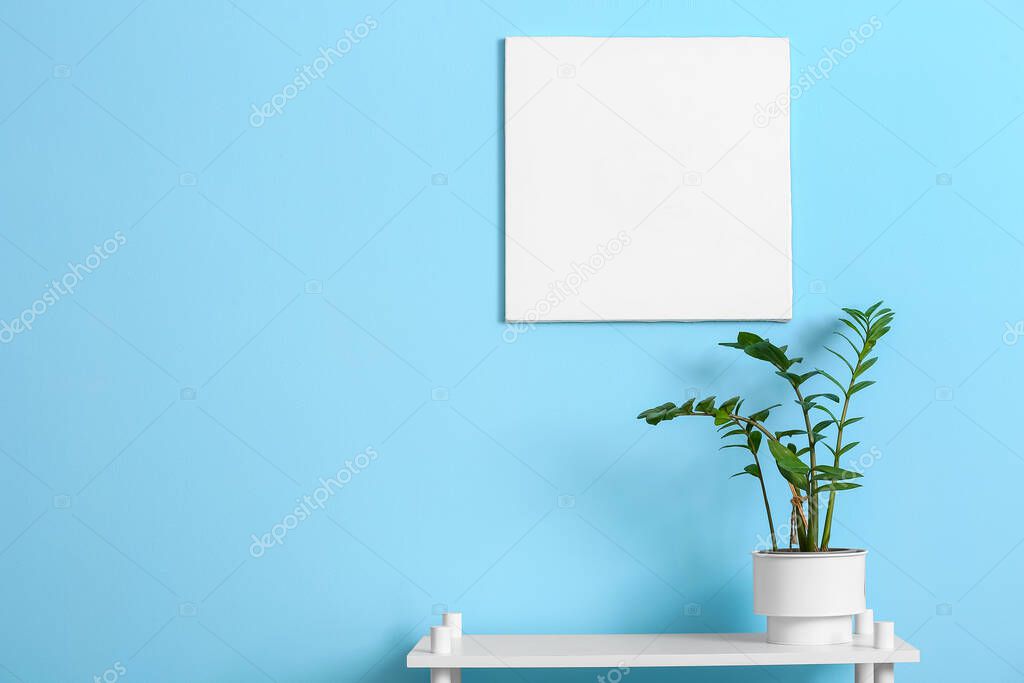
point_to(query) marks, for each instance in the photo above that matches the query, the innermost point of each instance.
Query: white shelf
(645, 650)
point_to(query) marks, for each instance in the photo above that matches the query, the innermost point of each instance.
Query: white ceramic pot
(809, 598)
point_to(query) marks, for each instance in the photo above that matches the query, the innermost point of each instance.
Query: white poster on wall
(647, 179)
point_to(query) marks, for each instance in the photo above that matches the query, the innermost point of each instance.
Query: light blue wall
(127, 505)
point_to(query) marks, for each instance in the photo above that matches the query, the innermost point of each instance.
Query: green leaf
(707, 405)
(884, 321)
(848, 447)
(794, 361)
(762, 415)
(856, 330)
(851, 420)
(860, 385)
(651, 411)
(730, 404)
(821, 425)
(842, 387)
(871, 310)
(827, 412)
(789, 432)
(864, 366)
(806, 404)
(762, 349)
(722, 417)
(755, 442)
(791, 467)
(733, 445)
(752, 470)
(743, 340)
(855, 314)
(767, 351)
(831, 397)
(830, 472)
(790, 377)
(735, 432)
(877, 334)
(884, 317)
(853, 346)
(747, 338)
(838, 486)
(840, 357)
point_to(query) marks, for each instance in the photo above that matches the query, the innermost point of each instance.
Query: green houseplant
(808, 458)
(825, 420)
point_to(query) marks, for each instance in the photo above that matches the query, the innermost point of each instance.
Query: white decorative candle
(864, 622)
(441, 640)
(454, 621)
(885, 635)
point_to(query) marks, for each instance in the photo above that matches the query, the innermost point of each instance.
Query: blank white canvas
(647, 179)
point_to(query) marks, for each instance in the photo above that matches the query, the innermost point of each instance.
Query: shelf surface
(644, 650)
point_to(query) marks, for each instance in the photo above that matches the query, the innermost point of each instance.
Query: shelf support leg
(441, 644)
(864, 673)
(885, 639)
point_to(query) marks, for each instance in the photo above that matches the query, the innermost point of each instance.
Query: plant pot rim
(786, 553)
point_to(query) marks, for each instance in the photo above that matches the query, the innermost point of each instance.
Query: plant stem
(812, 485)
(764, 493)
(826, 533)
(767, 432)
